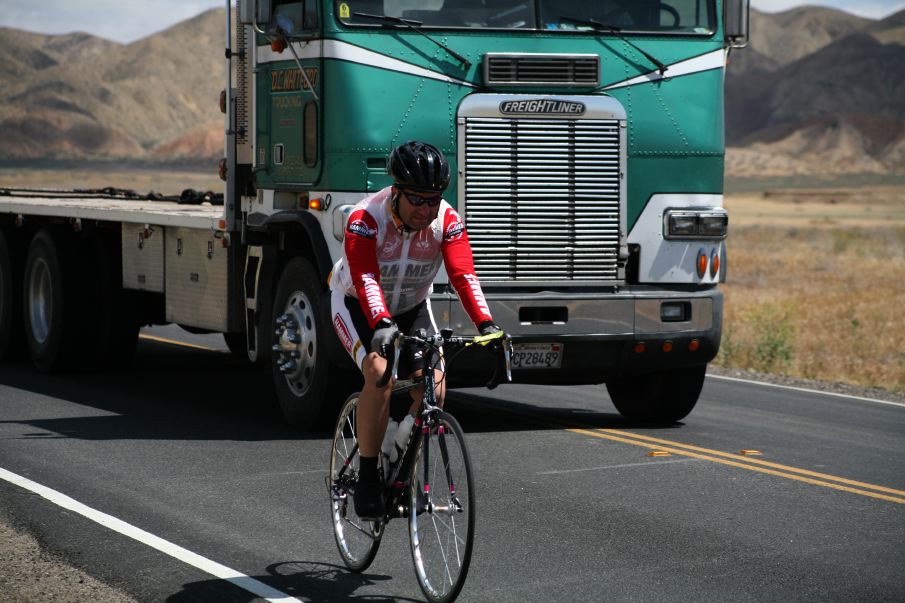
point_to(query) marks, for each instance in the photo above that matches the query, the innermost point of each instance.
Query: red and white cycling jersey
(390, 270)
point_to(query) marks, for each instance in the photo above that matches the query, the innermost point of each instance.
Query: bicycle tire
(442, 519)
(356, 539)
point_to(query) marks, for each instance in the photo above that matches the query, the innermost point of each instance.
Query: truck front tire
(662, 397)
(300, 363)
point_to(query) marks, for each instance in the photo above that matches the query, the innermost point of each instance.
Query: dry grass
(816, 283)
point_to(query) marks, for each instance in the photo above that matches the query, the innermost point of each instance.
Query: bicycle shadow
(308, 581)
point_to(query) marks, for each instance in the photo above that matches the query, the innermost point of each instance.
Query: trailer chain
(188, 196)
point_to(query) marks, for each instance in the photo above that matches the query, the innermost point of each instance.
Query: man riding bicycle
(393, 246)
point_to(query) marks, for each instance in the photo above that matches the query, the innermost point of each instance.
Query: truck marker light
(667, 346)
(694, 345)
(702, 263)
(278, 45)
(315, 204)
(222, 169)
(714, 263)
(640, 347)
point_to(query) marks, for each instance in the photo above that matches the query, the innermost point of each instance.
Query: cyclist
(394, 242)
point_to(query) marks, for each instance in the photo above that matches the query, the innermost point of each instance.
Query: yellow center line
(742, 465)
(175, 342)
(746, 459)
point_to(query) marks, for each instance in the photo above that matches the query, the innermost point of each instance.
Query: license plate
(537, 355)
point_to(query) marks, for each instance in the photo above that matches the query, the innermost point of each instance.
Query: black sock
(367, 466)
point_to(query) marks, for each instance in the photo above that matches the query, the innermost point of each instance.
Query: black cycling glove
(488, 327)
(384, 334)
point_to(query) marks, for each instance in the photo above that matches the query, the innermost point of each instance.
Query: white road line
(647, 464)
(244, 582)
(810, 391)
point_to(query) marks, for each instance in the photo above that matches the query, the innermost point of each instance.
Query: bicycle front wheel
(356, 539)
(442, 510)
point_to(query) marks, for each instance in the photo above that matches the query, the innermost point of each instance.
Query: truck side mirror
(735, 22)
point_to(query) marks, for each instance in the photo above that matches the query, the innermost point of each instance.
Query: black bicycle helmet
(419, 166)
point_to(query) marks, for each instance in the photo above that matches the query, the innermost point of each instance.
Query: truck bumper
(599, 333)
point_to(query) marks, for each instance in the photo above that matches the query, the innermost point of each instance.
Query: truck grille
(542, 70)
(542, 198)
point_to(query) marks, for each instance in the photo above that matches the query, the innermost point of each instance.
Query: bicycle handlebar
(446, 338)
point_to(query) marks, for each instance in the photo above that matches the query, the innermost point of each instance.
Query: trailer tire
(300, 365)
(12, 331)
(50, 304)
(662, 397)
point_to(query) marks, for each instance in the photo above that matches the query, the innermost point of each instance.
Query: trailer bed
(163, 213)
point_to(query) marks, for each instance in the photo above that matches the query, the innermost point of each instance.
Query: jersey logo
(361, 229)
(340, 326)
(391, 245)
(454, 230)
(374, 295)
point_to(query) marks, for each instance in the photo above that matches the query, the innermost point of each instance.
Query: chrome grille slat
(542, 198)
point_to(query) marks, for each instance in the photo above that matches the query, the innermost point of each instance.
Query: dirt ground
(30, 574)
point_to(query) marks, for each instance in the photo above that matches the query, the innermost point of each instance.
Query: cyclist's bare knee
(372, 369)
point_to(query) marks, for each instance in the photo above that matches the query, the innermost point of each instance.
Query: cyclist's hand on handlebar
(384, 334)
(488, 327)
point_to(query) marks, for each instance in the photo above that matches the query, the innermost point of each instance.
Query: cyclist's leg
(373, 403)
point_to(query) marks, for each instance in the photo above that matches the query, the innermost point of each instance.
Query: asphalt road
(186, 453)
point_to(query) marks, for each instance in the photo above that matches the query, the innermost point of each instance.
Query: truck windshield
(629, 16)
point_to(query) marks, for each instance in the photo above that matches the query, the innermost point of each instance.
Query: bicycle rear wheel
(356, 539)
(442, 510)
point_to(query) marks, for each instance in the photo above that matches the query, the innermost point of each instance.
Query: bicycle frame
(396, 504)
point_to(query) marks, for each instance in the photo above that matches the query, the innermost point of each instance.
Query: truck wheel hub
(295, 351)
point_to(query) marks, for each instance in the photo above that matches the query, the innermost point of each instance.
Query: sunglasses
(418, 200)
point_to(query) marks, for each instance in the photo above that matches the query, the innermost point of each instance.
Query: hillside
(816, 90)
(77, 96)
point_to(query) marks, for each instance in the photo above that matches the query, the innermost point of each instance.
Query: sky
(129, 20)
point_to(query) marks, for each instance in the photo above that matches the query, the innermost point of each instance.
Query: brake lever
(391, 369)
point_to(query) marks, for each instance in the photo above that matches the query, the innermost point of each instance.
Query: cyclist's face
(421, 215)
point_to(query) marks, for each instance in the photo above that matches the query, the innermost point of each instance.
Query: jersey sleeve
(360, 247)
(459, 264)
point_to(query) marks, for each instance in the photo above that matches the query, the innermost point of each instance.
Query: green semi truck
(587, 145)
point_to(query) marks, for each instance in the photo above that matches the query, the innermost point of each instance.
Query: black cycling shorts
(355, 333)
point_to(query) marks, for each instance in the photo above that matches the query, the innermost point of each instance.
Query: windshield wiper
(598, 26)
(414, 26)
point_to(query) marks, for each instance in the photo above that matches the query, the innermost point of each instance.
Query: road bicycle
(431, 484)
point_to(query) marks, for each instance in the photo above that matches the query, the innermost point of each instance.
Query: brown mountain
(816, 90)
(837, 108)
(79, 96)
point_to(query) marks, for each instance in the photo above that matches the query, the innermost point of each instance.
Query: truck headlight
(682, 225)
(694, 223)
(714, 225)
